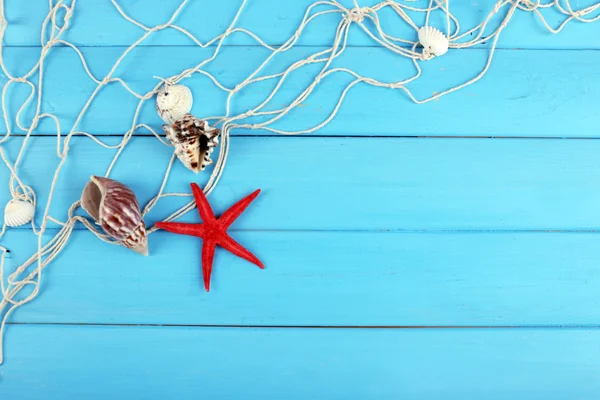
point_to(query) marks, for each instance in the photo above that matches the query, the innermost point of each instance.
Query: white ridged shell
(173, 102)
(433, 41)
(18, 212)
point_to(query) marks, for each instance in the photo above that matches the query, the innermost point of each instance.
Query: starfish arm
(237, 209)
(228, 243)
(204, 209)
(208, 254)
(183, 229)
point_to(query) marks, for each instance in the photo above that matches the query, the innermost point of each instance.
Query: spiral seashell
(194, 141)
(173, 102)
(433, 41)
(18, 212)
(115, 208)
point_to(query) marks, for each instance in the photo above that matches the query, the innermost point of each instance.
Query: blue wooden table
(439, 251)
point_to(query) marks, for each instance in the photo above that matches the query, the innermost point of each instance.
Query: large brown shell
(194, 141)
(115, 208)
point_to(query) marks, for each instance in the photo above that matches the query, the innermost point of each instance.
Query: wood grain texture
(150, 363)
(324, 279)
(394, 215)
(352, 183)
(99, 23)
(549, 98)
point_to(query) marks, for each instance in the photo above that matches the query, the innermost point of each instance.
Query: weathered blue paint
(479, 256)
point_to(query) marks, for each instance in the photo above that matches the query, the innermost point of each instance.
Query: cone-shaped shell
(115, 208)
(18, 212)
(433, 41)
(194, 141)
(173, 102)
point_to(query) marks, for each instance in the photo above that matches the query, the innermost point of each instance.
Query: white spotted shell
(115, 208)
(194, 141)
(173, 102)
(433, 41)
(18, 212)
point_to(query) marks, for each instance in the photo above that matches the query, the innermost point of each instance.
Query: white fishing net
(261, 116)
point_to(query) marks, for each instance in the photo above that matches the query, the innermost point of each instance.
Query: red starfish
(214, 231)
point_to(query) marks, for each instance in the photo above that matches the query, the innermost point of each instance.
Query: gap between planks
(398, 327)
(21, 135)
(307, 46)
(391, 230)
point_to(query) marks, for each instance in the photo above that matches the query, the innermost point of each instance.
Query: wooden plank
(553, 97)
(324, 279)
(149, 363)
(351, 183)
(275, 21)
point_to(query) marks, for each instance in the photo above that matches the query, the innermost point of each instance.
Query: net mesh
(263, 115)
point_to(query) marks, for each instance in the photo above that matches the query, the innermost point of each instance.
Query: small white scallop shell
(173, 102)
(433, 41)
(18, 212)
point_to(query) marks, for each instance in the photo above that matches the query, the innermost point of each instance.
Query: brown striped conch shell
(194, 141)
(115, 208)
(173, 102)
(18, 212)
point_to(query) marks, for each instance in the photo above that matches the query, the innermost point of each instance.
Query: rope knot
(358, 14)
(425, 55)
(20, 80)
(34, 122)
(167, 82)
(68, 14)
